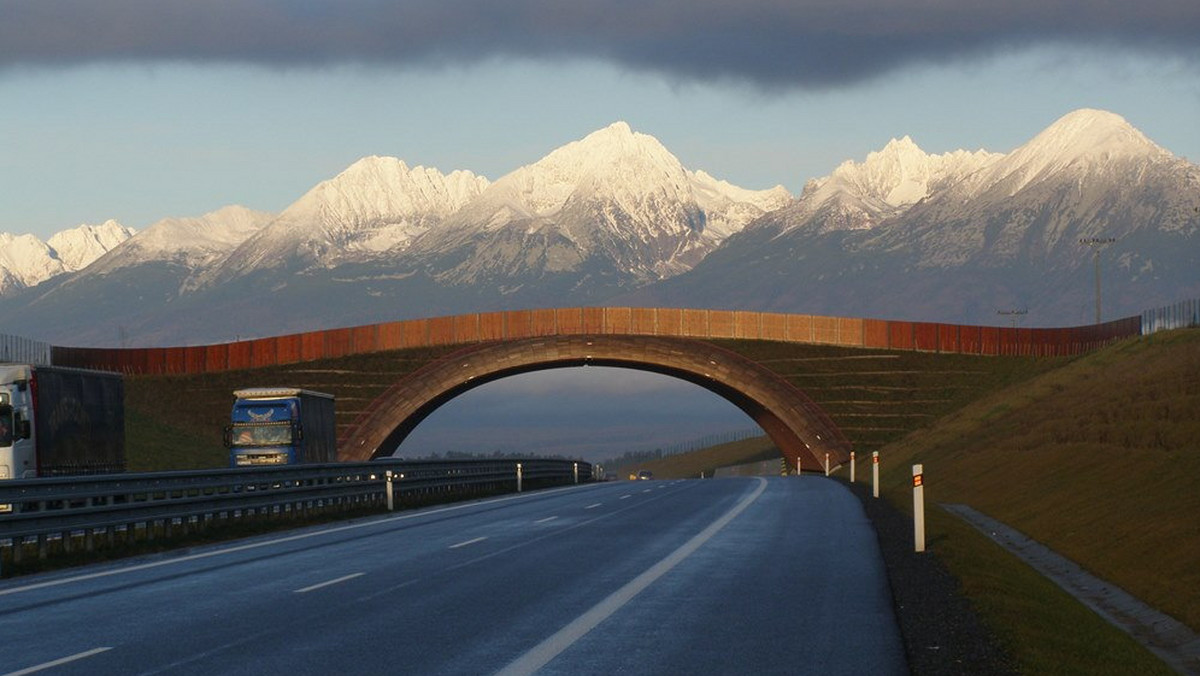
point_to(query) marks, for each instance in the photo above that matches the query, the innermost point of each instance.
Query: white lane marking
(549, 518)
(542, 653)
(327, 583)
(275, 541)
(593, 506)
(625, 497)
(645, 490)
(468, 542)
(58, 662)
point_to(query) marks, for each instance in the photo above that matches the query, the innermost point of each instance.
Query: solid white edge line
(468, 542)
(273, 541)
(319, 585)
(58, 662)
(541, 654)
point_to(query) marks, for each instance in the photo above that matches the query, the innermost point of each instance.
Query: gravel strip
(941, 631)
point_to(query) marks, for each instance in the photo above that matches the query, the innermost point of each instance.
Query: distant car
(645, 475)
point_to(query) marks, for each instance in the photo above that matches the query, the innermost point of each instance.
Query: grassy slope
(1098, 460)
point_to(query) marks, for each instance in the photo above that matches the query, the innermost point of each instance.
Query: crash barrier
(1181, 315)
(668, 322)
(18, 350)
(80, 513)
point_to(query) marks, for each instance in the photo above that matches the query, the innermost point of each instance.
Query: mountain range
(616, 219)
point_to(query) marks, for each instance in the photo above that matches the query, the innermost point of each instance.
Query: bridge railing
(666, 322)
(75, 511)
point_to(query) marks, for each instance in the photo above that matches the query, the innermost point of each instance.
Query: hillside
(1098, 460)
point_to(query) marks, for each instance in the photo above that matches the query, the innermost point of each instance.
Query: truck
(59, 421)
(281, 426)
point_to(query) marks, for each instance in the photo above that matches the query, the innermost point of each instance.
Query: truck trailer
(58, 421)
(281, 426)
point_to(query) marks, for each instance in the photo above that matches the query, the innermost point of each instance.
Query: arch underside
(794, 423)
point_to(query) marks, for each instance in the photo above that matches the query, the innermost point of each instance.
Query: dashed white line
(58, 662)
(326, 583)
(549, 518)
(625, 497)
(468, 542)
(593, 506)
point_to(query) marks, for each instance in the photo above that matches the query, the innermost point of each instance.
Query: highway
(719, 576)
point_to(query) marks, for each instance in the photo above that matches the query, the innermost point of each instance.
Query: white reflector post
(918, 508)
(875, 473)
(851, 466)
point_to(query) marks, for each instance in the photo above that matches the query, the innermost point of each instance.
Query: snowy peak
(1085, 142)
(191, 242)
(27, 261)
(615, 198)
(901, 174)
(78, 247)
(1089, 133)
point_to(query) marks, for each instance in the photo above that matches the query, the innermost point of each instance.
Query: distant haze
(589, 412)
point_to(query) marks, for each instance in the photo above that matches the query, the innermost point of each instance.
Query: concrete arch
(797, 425)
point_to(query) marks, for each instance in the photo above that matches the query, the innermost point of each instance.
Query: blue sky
(125, 110)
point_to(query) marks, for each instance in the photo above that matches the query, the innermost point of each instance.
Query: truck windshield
(278, 434)
(6, 425)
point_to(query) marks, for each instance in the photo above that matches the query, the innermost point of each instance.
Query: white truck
(57, 421)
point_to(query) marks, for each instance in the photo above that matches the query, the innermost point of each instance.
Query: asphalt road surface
(719, 576)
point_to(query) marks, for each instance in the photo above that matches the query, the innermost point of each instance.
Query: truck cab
(280, 426)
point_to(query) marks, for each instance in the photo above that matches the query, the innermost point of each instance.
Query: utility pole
(1097, 244)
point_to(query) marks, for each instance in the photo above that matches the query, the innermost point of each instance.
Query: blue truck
(281, 426)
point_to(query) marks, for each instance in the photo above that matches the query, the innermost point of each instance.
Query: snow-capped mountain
(26, 261)
(992, 232)
(614, 218)
(374, 209)
(615, 208)
(192, 243)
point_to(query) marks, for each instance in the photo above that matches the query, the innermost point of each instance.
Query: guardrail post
(390, 494)
(518, 477)
(851, 466)
(918, 508)
(875, 473)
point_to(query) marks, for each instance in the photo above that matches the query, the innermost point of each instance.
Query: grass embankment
(1099, 461)
(176, 422)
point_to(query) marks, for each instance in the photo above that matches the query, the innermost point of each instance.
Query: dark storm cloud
(802, 42)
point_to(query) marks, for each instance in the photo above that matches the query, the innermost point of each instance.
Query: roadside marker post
(518, 477)
(391, 500)
(826, 464)
(851, 466)
(576, 472)
(918, 508)
(875, 473)
(797, 466)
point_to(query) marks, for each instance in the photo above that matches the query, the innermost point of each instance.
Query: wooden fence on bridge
(671, 322)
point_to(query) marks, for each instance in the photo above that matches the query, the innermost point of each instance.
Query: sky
(138, 110)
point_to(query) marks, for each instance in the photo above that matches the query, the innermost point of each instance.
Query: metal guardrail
(68, 508)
